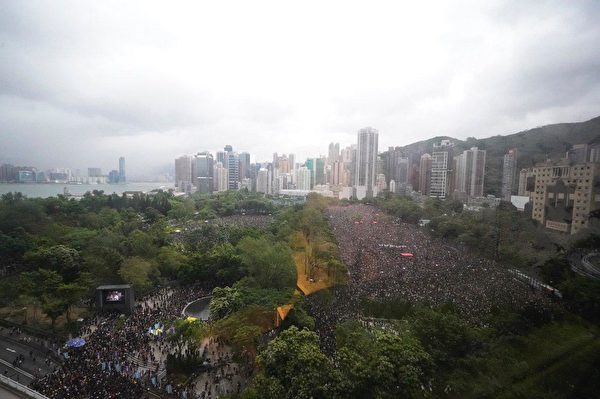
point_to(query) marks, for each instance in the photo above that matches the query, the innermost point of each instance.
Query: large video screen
(114, 296)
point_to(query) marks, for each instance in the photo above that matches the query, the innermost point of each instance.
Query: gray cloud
(82, 83)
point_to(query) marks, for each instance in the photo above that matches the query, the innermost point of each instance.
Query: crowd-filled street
(123, 359)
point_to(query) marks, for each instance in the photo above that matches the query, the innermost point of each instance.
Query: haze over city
(82, 83)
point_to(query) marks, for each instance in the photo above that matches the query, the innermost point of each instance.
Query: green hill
(534, 145)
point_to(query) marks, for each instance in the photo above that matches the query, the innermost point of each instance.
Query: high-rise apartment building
(366, 161)
(470, 173)
(526, 182)
(333, 153)
(221, 177)
(441, 169)
(565, 194)
(303, 178)
(122, 177)
(395, 167)
(509, 174)
(183, 173)
(262, 181)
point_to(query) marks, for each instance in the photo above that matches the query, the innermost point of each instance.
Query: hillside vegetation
(534, 145)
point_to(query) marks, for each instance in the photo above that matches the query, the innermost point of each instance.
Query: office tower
(509, 174)
(310, 165)
(25, 175)
(221, 157)
(244, 158)
(303, 178)
(262, 181)
(183, 173)
(40, 177)
(113, 176)
(122, 170)
(292, 162)
(204, 172)
(366, 160)
(94, 172)
(565, 194)
(333, 153)
(232, 164)
(284, 164)
(424, 174)
(441, 169)
(470, 173)
(233, 170)
(320, 176)
(221, 177)
(6, 173)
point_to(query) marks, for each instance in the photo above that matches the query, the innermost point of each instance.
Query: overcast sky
(84, 82)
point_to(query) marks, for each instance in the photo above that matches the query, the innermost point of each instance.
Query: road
(36, 361)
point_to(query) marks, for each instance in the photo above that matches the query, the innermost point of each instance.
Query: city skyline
(80, 77)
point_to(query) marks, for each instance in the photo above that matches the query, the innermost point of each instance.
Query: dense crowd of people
(391, 260)
(257, 221)
(125, 356)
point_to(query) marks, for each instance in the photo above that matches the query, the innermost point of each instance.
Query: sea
(44, 190)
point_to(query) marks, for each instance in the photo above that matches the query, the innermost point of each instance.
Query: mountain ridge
(534, 145)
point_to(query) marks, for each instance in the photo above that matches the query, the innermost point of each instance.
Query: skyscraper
(233, 170)
(425, 174)
(221, 177)
(395, 167)
(204, 172)
(509, 174)
(441, 169)
(366, 160)
(183, 173)
(303, 179)
(122, 170)
(470, 173)
(333, 153)
(262, 181)
(244, 158)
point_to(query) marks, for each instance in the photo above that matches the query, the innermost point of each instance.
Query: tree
(396, 365)
(53, 307)
(139, 272)
(71, 294)
(42, 286)
(271, 265)
(296, 362)
(224, 302)
(183, 210)
(444, 335)
(60, 258)
(171, 261)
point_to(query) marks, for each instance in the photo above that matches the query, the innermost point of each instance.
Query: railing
(28, 392)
